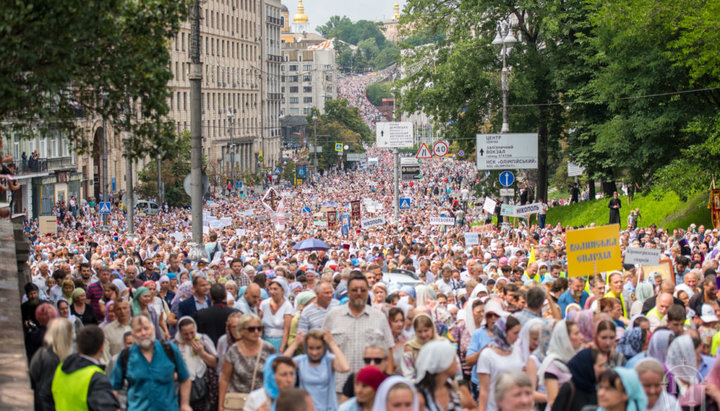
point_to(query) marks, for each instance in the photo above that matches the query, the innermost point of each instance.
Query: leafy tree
(59, 56)
(334, 26)
(175, 167)
(339, 110)
(387, 57)
(377, 91)
(369, 48)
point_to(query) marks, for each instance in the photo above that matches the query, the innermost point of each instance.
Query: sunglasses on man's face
(375, 361)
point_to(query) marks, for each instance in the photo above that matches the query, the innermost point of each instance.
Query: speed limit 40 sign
(440, 149)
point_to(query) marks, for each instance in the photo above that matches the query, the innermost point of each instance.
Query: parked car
(401, 277)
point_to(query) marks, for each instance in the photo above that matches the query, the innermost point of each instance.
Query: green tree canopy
(58, 56)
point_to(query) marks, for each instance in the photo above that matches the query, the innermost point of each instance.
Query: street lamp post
(230, 115)
(504, 39)
(314, 117)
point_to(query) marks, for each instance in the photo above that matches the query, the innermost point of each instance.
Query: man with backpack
(150, 366)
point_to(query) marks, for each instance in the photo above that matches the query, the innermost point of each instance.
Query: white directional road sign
(507, 151)
(394, 134)
(507, 192)
(356, 157)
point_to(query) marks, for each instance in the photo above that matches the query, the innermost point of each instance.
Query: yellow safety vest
(70, 391)
(622, 301)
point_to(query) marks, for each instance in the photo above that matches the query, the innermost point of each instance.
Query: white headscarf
(195, 365)
(523, 341)
(560, 348)
(380, 403)
(681, 361)
(424, 294)
(435, 356)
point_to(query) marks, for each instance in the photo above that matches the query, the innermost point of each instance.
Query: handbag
(198, 390)
(235, 401)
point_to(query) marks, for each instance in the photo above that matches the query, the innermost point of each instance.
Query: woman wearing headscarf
(464, 327)
(682, 363)
(605, 337)
(499, 356)
(316, 368)
(184, 291)
(141, 305)
(279, 375)
(424, 332)
(109, 314)
(80, 308)
(659, 344)
(200, 357)
(437, 365)
(652, 377)
(277, 314)
(585, 321)
(396, 393)
(480, 338)
(580, 391)
(643, 291)
(619, 389)
(565, 341)
(301, 301)
(427, 302)
(528, 342)
(632, 343)
(367, 382)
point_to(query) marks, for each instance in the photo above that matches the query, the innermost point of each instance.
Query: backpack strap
(167, 347)
(125, 357)
(123, 360)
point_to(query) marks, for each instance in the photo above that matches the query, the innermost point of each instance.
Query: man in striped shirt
(313, 315)
(95, 292)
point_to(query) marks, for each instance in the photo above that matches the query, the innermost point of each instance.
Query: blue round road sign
(507, 178)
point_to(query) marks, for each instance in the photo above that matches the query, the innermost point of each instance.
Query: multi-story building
(309, 71)
(270, 86)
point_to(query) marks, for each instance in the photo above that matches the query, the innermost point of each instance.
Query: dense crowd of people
(403, 315)
(353, 88)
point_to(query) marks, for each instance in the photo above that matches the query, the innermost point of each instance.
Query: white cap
(708, 314)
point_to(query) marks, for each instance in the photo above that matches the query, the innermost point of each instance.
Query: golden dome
(396, 16)
(300, 17)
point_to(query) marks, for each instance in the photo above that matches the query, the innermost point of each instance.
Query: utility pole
(232, 149)
(161, 186)
(104, 193)
(130, 195)
(197, 250)
(315, 166)
(396, 198)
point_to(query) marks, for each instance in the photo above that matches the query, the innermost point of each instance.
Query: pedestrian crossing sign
(404, 203)
(104, 208)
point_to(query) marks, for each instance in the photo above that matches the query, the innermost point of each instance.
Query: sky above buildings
(320, 11)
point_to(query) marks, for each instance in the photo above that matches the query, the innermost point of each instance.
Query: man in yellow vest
(79, 382)
(616, 289)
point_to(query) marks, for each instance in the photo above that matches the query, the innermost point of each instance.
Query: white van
(147, 207)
